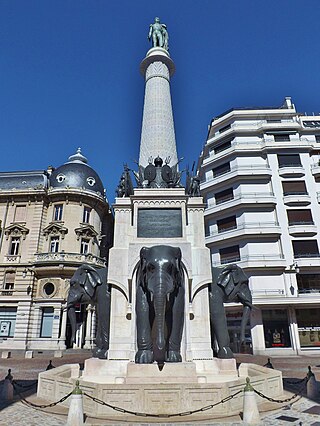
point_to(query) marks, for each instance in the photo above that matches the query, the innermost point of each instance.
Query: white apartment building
(260, 178)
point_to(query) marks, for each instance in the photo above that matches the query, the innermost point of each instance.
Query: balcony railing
(257, 196)
(250, 168)
(249, 225)
(251, 258)
(268, 293)
(306, 255)
(69, 257)
(308, 290)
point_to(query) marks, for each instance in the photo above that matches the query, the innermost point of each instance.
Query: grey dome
(76, 174)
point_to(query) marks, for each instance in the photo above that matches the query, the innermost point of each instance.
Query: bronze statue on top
(159, 34)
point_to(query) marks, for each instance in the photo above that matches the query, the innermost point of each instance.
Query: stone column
(87, 342)
(157, 135)
(62, 337)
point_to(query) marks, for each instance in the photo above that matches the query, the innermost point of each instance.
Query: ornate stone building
(51, 222)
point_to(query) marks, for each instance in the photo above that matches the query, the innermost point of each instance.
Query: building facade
(260, 178)
(51, 222)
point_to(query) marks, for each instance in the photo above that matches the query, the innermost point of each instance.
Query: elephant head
(160, 289)
(89, 285)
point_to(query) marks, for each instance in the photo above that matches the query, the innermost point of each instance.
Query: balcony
(263, 199)
(315, 170)
(293, 170)
(256, 261)
(302, 228)
(243, 230)
(64, 257)
(296, 198)
(307, 259)
(12, 258)
(270, 293)
(249, 171)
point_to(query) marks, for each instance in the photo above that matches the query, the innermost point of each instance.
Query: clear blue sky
(69, 73)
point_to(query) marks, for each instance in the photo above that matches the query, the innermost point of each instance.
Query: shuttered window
(223, 196)
(282, 138)
(221, 170)
(289, 160)
(227, 224)
(305, 248)
(20, 214)
(297, 187)
(229, 254)
(296, 217)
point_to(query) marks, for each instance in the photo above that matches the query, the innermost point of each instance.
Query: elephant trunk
(159, 345)
(73, 323)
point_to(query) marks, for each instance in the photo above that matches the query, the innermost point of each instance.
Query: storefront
(276, 328)
(308, 321)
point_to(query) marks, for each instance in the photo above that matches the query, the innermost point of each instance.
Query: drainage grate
(315, 409)
(288, 418)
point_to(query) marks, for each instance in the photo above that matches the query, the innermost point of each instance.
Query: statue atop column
(159, 34)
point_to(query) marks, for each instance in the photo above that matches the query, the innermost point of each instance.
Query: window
(15, 246)
(223, 196)
(229, 254)
(8, 284)
(48, 289)
(46, 322)
(86, 215)
(297, 187)
(221, 170)
(227, 224)
(282, 138)
(308, 321)
(298, 217)
(276, 328)
(222, 147)
(84, 249)
(54, 245)
(57, 214)
(317, 138)
(308, 283)
(305, 248)
(7, 321)
(225, 128)
(20, 214)
(289, 160)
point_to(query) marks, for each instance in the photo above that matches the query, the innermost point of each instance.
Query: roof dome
(76, 173)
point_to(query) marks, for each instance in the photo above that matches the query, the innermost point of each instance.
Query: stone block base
(158, 398)
(5, 354)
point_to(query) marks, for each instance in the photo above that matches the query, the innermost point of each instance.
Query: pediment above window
(55, 229)
(86, 231)
(16, 230)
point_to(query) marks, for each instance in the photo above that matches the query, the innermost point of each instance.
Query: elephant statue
(159, 305)
(229, 284)
(89, 285)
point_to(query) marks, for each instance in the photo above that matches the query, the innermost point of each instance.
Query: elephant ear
(142, 268)
(91, 280)
(179, 269)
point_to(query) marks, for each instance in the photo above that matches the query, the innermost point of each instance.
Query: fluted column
(157, 135)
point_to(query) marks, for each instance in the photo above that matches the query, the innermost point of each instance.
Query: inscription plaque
(159, 223)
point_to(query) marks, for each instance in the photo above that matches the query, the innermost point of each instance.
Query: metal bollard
(7, 391)
(312, 385)
(75, 415)
(268, 364)
(250, 407)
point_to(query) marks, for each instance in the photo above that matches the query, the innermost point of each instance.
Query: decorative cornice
(87, 231)
(16, 230)
(55, 228)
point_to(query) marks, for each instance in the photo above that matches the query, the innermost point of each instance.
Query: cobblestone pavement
(301, 413)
